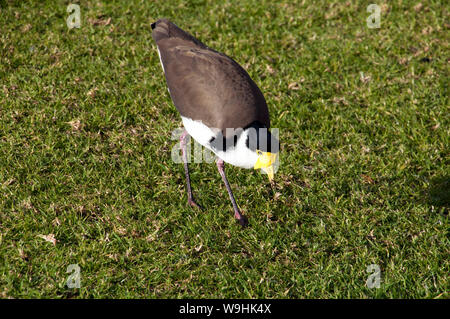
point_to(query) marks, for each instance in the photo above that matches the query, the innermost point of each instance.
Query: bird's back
(207, 85)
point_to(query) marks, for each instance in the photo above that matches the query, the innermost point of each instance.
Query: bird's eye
(259, 152)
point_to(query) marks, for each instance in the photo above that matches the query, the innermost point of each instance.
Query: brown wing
(207, 85)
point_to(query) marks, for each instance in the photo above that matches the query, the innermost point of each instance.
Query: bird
(221, 107)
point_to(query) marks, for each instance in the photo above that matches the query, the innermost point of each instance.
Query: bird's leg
(237, 214)
(183, 142)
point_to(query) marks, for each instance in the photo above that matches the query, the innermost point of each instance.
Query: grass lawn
(86, 175)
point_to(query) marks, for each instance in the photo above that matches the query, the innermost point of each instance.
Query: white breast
(240, 155)
(199, 131)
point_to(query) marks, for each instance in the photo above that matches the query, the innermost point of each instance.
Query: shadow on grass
(439, 193)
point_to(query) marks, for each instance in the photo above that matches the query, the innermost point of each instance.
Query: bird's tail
(164, 29)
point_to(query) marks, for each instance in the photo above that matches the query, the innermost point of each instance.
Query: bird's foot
(192, 203)
(242, 219)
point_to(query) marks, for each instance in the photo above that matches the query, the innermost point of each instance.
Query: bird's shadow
(438, 193)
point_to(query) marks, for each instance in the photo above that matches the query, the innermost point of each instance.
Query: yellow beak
(265, 161)
(269, 171)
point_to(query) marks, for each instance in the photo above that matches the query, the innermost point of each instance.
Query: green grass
(85, 153)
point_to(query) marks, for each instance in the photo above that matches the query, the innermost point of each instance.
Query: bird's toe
(192, 203)
(243, 221)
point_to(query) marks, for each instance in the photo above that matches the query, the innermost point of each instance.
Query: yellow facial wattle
(265, 161)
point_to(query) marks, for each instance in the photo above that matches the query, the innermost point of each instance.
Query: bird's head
(266, 146)
(266, 162)
(251, 147)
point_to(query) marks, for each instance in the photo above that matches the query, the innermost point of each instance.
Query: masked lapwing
(220, 105)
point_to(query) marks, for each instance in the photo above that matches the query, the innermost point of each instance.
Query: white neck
(239, 155)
